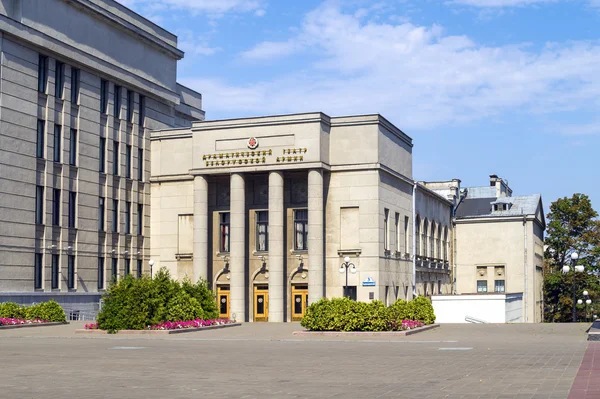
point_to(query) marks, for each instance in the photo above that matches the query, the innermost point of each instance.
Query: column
(315, 236)
(276, 251)
(236, 246)
(200, 262)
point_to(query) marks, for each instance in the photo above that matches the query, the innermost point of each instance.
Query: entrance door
(223, 300)
(261, 303)
(299, 301)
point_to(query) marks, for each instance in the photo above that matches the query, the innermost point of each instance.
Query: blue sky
(507, 87)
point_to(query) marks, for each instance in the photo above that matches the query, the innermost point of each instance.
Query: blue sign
(369, 282)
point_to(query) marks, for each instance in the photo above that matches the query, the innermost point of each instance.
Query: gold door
(299, 301)
(223, 301)
(261, 303)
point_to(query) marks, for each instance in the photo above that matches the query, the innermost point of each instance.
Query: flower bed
(9, 321)
(406, 325)
(176, 325)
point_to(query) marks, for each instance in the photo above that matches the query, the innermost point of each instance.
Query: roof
(482, 207)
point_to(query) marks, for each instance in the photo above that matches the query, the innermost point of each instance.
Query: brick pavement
(587, 381)
(267, 361)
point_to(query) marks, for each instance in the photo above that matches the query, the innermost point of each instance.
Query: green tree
(572, 226)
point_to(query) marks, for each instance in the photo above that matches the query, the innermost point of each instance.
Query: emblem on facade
(252, 143)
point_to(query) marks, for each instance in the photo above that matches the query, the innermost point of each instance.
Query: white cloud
(499, 3)
(210, 7)
(582, 129)
(195, 44)
(418, 76)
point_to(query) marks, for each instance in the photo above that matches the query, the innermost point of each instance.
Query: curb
(157, 332)
(368, 333)
(11, 326)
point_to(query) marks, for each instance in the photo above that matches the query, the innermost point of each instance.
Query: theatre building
(267, 208)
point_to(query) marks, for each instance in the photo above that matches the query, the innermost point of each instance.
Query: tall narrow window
(103, 95)
(55, 267)
(301, 229)
(115, 216)
(101, 213)
(127, 270)
(424, 238)
(482, 286)
(446, 244)
(139, 268)
(117, 101)
(116, 158)
(57, 140)
(398, 240)
(262, 231)
(115, 269)
(73, 148)
(417, 234)
(498, 285)
(127, 217)
(75, 85)
(72, 208)
(128, 161)
(406, 234)
(140, 164)
(140, 219)
(37, 271)
(102, 155)
(42, 73)
(224, 229)
(142, 113)
(71, 272)
(56, 207)
(386, 232)
(130, 104)
(39, 204)
(100, 273)
(39, 152)
(59, 79)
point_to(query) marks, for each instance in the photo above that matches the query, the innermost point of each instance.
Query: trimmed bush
(343, 314)
(49, 311)
(136, 303)
(11, 310)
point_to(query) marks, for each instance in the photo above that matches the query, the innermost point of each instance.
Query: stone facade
(82, 84)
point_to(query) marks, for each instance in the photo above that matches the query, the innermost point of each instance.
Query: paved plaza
(267, 361)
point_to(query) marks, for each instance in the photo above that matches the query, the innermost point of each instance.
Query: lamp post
(151, 263)
(344, 268)
(576, 268)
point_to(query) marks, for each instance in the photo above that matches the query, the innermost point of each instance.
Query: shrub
(421, 309)
(11, 310)
(49, 311)
(202, 293)
(183, 307)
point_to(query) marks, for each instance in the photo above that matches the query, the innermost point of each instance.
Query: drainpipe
(525, 290)
(414, 239)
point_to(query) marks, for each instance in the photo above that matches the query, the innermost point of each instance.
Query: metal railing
(470, 319)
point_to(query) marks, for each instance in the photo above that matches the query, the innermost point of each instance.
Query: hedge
(49, 311)
(343, 314)
(136, 303)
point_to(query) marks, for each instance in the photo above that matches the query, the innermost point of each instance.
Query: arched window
(425, 236)
(431, 240)
(438, 242)
(446, 243)
(418, 236)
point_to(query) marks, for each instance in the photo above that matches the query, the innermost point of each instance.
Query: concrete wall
(501, 308)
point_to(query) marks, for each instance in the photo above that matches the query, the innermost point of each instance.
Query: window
(139, 268)
(102, 155)
(55, 262)
(224, 229)
(59, 79)
(116, 158)
(386, 233)
(350, 292)
(56, 207)
(446, 244)
(115, 216)
(73, 148)
(262, 231)
(71, 272)
(439, 287)
(140, 164)
(57, 131)
(42, 73)
(127, 217)
(115, 269)
(398, 240)
(39, 152)
(438, 242)
(500, 207)
(499, 286)
(127, 267)
(128, 161)
(418, 237)
(140, 219)
(142, 114)
(406, 234)
(103, 95)
(431, 240)
(74, 85)
(482, 286)
(117, 101)
(424, 238)
(301, 229)
(101, 212)
(130, 100)
(72, 208)
(37, 272)
(39, 204)
(100, 273)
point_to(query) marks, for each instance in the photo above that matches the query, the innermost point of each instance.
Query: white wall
(489, 308)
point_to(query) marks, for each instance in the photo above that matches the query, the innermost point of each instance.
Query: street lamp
(151, 263)
(344, 268)
(576, 268)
